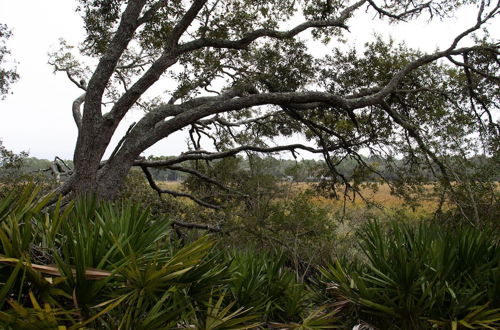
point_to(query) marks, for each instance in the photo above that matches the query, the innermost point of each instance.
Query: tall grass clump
(421, 277)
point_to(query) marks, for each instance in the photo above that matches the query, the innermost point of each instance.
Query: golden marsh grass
(381, 198)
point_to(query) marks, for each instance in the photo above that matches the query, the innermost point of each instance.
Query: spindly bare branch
(173, 193)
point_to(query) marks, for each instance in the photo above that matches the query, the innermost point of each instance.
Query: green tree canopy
(241, 74)
(7, 75)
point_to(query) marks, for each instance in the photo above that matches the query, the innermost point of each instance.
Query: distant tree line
(304, 170)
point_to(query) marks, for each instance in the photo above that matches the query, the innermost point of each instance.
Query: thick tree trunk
(91, 177)
(111, 179)
(105, 180)
(87, 161)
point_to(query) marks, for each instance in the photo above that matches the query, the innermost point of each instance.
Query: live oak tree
(9, 159)
(8, 74)
(241, 73)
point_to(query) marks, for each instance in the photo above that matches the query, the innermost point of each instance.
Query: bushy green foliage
(104, 265)
(17, 171)
(414, 276)
(264, 282)
(137, 190)
(9, 159)
(295, 224)
(95, 264)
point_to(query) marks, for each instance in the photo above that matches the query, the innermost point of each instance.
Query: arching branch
(403, 15)
(126, 29)
(77, 114)
(414, 133)
(203, 177)
(223, 122)
(171, 55)
(205, 155)
(244, 42)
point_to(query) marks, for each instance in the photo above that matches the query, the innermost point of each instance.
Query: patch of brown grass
(381, 198)
(171, 185)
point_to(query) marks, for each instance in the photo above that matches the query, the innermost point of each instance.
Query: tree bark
(110, 180)
(105, 182)
(90, 148)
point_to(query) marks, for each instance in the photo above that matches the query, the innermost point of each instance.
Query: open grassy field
(173, 185)
(380, 198)
(381, 195)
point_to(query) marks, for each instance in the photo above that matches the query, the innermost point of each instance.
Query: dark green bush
(137, 190)
(103, 265)
(263, 281)
(415, 276)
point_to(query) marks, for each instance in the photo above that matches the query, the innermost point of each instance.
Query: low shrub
(102, 265)
(419, 276)
(263, 281)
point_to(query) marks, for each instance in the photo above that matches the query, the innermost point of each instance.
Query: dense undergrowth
(101, 265)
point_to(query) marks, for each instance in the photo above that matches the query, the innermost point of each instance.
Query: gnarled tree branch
(205, 155)
(77, 115)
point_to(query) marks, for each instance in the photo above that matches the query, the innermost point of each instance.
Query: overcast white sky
(37, 117)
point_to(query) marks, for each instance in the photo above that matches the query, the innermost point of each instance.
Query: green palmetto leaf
(219, 317)
(159, 317)
(378, 307)
(100, 236)
(317, 319)
(48, 289)
(6, 203)
(176, 281)
(479, 317)
(7, 286)
(421, 272)
(37, 317)
(263, 282)
(109, 305)
(20, 211)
